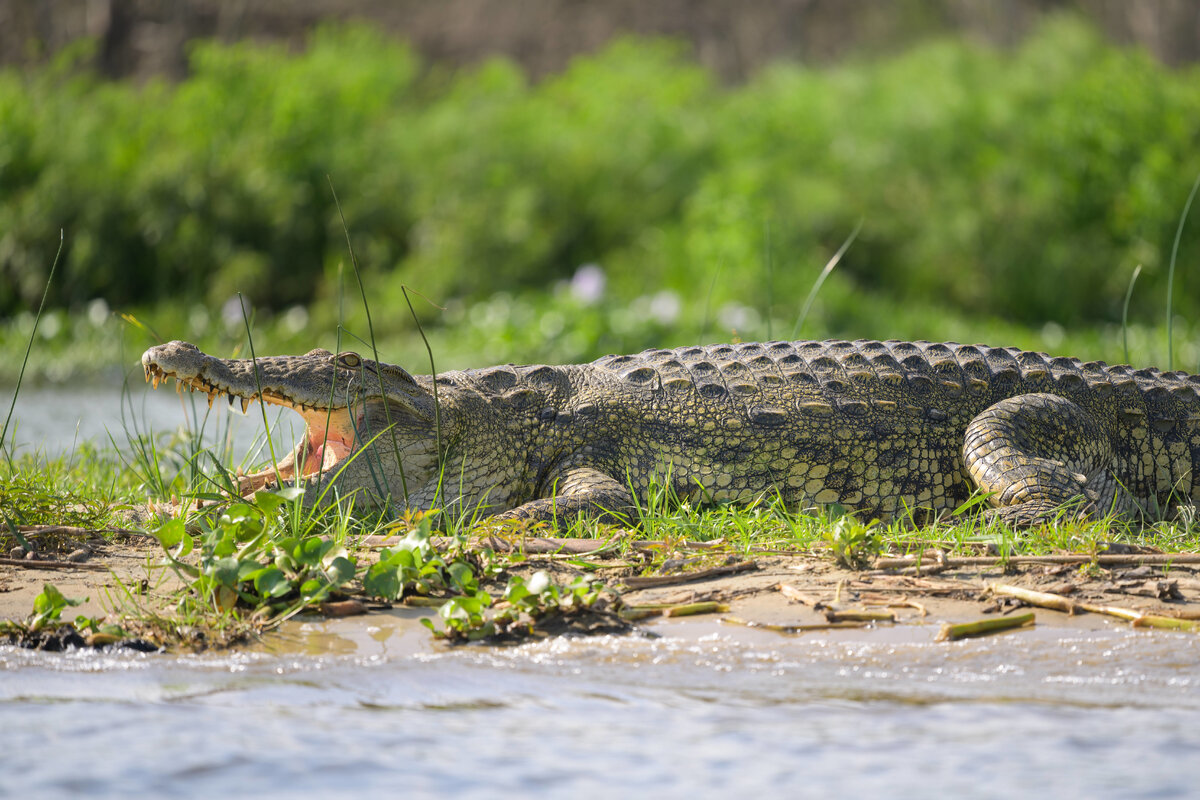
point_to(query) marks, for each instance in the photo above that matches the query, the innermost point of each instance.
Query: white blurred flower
(587, 285)
(295, 319)
(198, 320)
(1053, 335)
(665, 307)
(735, 317)
(231, 313)
(97, 311)
(51, 324)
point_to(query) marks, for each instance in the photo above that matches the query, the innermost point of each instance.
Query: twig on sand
(533, 545)
(770, 626)
(26, 563)
(1130, 560)
(850, 615)
(794, 594)
(909, 604)
(1057, 602)
(951, 631)
(542, 545)
(34, 531)
(633, 613)
(652, 581)
(421, 601)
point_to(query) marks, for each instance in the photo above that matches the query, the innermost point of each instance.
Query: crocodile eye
(349, 360)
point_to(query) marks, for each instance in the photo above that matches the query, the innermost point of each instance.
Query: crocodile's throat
(330, 434)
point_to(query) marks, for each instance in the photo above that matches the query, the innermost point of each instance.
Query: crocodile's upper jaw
(330, 434)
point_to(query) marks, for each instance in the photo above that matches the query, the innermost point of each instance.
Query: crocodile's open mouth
(330, 434)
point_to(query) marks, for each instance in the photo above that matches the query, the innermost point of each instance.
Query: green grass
(90, 487)
(86, 488)
(248, 565)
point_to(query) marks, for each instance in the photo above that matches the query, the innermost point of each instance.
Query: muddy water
(369, 704)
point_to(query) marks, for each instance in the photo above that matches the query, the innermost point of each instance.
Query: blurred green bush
(1021, 185)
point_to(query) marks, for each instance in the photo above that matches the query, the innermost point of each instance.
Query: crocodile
(880, 428)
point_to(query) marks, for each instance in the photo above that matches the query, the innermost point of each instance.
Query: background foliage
(1022, 186)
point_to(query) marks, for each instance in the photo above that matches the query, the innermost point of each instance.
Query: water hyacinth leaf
(283, 553)
(311, 551)
(466, 607)
(48, 605)
(272, 582)
(270, 500)
(289, 493)
(173, 534)
(421, 531)
(226, 598)
(462, 578)
(334, 551)
(225, 571)
(516, 591)
(399, 558)
(247, 569)
(382, 581)
(285, 562)
(236, 513)
(313, 587)
(340, 570)
(223, 543)
(107, 628)
(247, 529)
(170, 532)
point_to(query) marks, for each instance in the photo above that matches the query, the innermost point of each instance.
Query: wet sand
(774, 590)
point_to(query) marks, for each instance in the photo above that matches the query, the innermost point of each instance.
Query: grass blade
(371, 335)
(21, 375)
(829, 266)
(1171, 270)
(1125, 310)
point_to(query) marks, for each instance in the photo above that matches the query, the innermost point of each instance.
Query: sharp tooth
(231, 401)
(154, 382)
(245, 405)
(147, 374)
(211, 395)
(178, 386)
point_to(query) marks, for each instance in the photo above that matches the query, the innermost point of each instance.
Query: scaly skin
(881, 428)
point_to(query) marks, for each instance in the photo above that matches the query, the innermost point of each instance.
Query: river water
(54, 419)
(372, 704)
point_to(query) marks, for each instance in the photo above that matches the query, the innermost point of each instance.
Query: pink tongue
(315, 460)
(319, 453)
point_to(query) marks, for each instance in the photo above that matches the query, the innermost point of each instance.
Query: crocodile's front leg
(577, 491)
(1040, 452)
